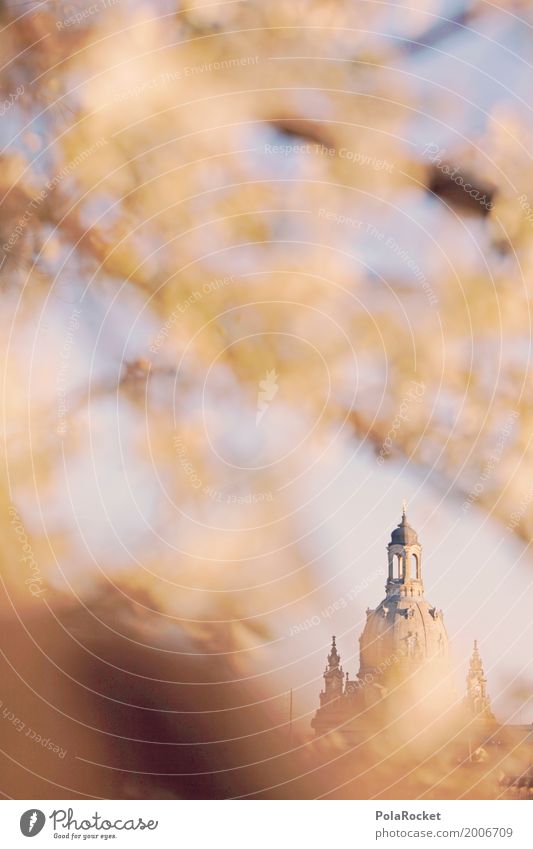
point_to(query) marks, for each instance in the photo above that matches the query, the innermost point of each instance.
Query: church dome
(402, 632)
(405, 679)
(405, 631)
(404, 533)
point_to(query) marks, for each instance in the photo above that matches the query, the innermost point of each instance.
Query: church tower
(405, 678)
(333, 677)
(405, 632)
(477, 700)
(405, 562)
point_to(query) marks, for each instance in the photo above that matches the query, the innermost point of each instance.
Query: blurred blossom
(235, 202)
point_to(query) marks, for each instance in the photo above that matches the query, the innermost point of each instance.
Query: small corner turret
(333, 676)
(477, 700)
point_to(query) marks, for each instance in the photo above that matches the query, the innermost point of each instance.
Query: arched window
(398, 566)
(415, 568)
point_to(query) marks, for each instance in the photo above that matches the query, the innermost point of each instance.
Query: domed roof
(402, 631)
(404, 533)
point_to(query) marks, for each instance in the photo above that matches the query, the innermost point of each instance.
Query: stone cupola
(405, 561)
